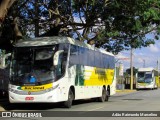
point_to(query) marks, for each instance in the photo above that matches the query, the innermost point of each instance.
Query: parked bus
(60, 69)
(147, 78)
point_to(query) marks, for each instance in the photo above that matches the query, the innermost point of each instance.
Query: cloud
(153, 48)
(121, 59)
(121, 56)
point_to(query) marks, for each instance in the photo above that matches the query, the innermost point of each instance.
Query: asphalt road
(144, 100)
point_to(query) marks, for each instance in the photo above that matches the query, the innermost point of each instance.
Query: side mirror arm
(56, 57)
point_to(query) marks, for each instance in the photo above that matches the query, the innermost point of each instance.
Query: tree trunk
(36, 21)
(4, 6)
(18, 34)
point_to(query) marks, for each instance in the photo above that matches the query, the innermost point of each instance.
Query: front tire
(68, 103)
(103, 97)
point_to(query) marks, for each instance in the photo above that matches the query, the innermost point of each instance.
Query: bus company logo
(6, 114)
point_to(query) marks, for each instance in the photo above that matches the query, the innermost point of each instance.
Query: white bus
(147, 78)
(56, 69)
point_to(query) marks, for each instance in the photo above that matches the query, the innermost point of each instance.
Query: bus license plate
(29, 98)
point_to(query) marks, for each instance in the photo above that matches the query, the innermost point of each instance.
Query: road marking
(96, 108)
(91, 110)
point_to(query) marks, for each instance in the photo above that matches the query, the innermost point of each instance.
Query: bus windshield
(34, 65)
(144, 77)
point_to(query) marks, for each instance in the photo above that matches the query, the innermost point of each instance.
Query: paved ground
(4, 102)
(1, 101)
(127, 100)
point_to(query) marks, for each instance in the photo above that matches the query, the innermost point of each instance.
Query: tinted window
(90, 55)
(74, 59)
(113, 63)
(97, 59)
(101, 60)
(83, 57)
(108, 61)
(104, 60)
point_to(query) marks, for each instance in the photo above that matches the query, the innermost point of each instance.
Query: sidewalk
(1, 109)
(125, 91)
(1, 106)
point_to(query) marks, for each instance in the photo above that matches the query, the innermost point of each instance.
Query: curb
(125, 91)
(1, 109)
(1, 101)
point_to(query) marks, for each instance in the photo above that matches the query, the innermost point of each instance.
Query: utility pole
(158, 67)
(131, 66)
(144, 63)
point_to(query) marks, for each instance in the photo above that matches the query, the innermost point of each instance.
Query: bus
(60, 69)
(147, 78)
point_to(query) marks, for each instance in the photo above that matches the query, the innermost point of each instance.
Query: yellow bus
(60, 69)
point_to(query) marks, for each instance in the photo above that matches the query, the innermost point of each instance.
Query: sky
(146, 55)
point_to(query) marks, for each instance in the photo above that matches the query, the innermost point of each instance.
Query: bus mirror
(56, 57)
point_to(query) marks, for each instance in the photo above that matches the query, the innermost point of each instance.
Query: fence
(127, 82)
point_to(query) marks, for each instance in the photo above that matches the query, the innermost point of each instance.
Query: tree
(128, 22)
(134, 71)
(4, 6)
(9, 29)
(114, 25)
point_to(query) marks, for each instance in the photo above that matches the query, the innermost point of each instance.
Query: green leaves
(152, 13)
(156, 37)
(113, 33)
(134, 71)
(119, 24)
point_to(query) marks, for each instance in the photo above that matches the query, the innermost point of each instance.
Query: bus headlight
(12, 90)
(52, 88)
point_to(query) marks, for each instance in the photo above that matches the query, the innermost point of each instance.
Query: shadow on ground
(39, 106)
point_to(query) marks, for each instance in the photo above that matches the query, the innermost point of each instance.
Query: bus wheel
(68, 103)
(103, 97)
(107, 95)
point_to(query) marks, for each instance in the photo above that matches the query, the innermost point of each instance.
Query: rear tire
(107, 95)
(68, 103)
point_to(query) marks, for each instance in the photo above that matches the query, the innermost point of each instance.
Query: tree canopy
(114, 25)
(135, 70)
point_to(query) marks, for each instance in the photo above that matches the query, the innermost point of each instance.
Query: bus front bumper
(144, 86)
(52, 96)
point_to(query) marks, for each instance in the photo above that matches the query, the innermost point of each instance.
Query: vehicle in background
(60, 69)
(113, 87)
(147, 78)
(4, 74)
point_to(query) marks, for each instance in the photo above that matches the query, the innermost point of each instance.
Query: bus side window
(74, 58)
